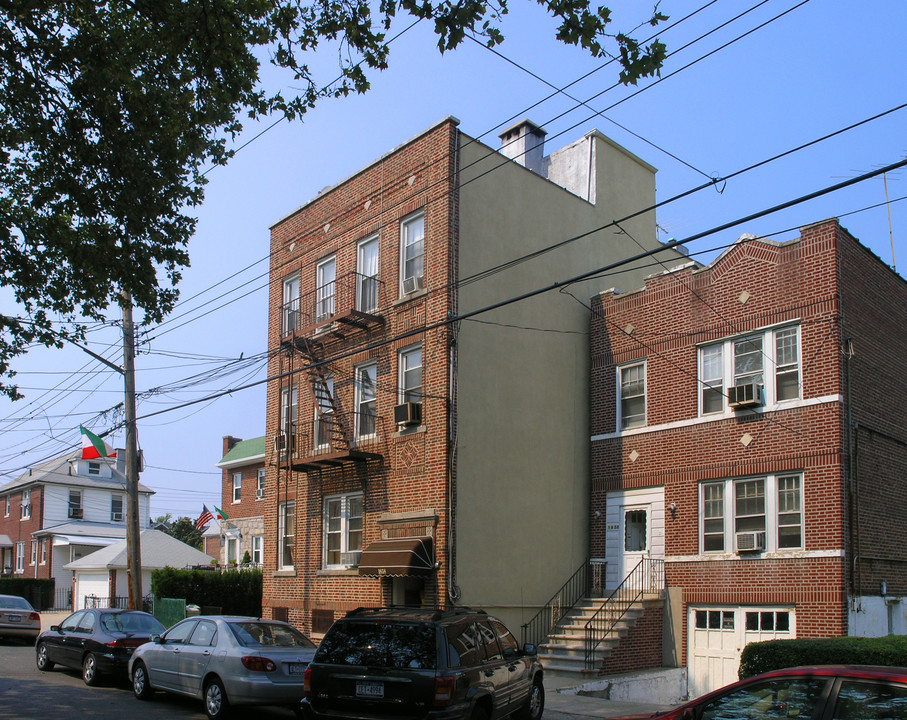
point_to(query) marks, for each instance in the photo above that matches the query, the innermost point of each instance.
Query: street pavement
(562, 702)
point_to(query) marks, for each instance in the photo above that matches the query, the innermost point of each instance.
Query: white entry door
(635, 529)
(718, 635)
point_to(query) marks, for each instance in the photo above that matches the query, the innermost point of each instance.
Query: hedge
(40, 593)
(761, 657)
(237, 592)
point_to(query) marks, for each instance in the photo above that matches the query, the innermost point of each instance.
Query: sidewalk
(563, 703)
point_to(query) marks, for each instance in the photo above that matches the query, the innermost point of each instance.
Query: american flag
(204, 518)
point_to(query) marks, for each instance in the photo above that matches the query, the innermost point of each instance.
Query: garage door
(717, 635)
(91, 583)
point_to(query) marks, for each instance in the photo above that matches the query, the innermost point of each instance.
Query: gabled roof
(245, 452)
(57, 472)
(158, 550)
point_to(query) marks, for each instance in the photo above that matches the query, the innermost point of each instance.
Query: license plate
(14, 618)
(297, 668)
(369, 689)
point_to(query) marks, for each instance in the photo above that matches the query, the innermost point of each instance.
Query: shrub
(774, 654)
(236, 593)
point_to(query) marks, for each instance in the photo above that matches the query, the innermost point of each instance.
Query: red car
(823, 692)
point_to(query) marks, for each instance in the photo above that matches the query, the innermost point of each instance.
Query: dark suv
(404, 664)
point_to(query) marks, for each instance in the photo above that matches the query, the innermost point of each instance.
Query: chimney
(524, 143)
(230, 443)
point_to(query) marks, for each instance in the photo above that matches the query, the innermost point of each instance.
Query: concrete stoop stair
(565, 649)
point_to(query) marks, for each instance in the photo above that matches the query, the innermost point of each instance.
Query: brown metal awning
(398, 557)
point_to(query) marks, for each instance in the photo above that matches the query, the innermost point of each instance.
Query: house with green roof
(242, 529)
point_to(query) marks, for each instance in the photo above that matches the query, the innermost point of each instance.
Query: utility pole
(133, 540)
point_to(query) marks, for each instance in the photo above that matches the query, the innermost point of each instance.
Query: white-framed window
(20, 557)
(44, 551)
(770, 507)
(286, 535)
(231, 550)
(8, 503)
(324, 411)
(116, 508)
(325, 289)
(367, 275)
(769, 358)
(366, 399)
(289, 316)
(94, 468)
(260, 485)
(412, 253)
(631, 395)
(289, 407)
(258, 547)
(25, 508)
(342, 528)
(75, 504)
(237, 487)
(410, 380)
(34, 552)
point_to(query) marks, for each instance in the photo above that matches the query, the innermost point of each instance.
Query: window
(286, 533)
(866, 700)
(367, 278)
(366, 399)
(44, 551)
(258, 544)
(791, 697)
(411, 375)
(75, 504)
(770, 359)
(94, 468)
(632, 390)
(25, 508)
(34, 552)
(290, 314)
(237, 487)
(324, 410)
(412, 254)
(116, 508)
(8, 503)
(231, 553)
(325, 288)
(342, 527)
(260, 486)
(289, 399)
(771, 507)
(20, 557)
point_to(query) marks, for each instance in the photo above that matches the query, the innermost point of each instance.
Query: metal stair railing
(646, 577)
(562, 602)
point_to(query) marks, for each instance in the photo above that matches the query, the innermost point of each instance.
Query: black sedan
(95, 641)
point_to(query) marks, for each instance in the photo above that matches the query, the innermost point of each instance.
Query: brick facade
(839, 435)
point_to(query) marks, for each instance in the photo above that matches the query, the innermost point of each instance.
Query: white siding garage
(90, 582)
(717, 635)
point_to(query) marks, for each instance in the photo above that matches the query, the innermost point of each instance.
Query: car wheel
(90, 673)
(141, 688)
(479, 713)
(216, 704)
(43, 662)
(535, 703)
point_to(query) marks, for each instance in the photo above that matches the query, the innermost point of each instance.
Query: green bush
(761, 657)
(235, 593)
(40, 593)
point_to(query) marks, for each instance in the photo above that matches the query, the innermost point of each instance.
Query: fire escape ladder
(330, 428)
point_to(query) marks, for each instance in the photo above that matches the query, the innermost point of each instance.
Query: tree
(110, 109)
(183, 529)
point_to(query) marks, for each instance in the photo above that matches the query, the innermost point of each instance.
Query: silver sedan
(225, 661)
(18, 618)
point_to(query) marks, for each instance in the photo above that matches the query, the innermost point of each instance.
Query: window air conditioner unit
(413, 283)
(259, 494)
(751, 541)
(75, 513)
(409, 413)
(116, 516)
(350, 558)
(744, 396)
(280, 442)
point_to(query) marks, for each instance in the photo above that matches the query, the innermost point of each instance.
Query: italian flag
(93, 447)
(220, 514)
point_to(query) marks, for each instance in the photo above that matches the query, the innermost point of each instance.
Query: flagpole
(133, 521)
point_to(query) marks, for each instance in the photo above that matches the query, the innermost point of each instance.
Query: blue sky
(819, 68)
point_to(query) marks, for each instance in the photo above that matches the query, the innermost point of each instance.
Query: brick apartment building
(60, 511)
(747, 430)
(243, 500)
(412, 459)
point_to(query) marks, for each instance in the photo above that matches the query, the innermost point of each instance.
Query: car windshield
(131, 623)
(12, 602)
(251, 633)
(391, 645)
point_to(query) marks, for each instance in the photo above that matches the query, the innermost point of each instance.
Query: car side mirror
(529, 649)
(155, 638)
(55, 628)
